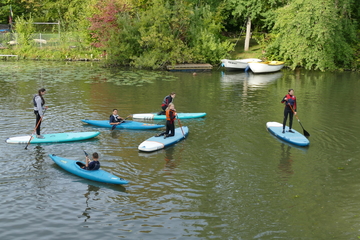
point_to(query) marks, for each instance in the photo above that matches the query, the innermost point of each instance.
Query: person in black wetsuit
(290, 109)
(167, 100)
(94, 164)
(170, 120)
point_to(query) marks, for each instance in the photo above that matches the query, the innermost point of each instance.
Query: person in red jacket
(290, 109)
(167, 100)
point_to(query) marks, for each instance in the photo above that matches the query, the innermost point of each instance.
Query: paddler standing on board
(167, 100)
(170, 122)
(39, 110)
(290, 109)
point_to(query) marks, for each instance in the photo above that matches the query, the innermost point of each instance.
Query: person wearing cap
(290, 109)
(39, 109)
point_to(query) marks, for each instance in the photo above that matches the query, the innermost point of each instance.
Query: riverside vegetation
(154, 33)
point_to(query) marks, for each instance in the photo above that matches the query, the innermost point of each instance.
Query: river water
(230, 179)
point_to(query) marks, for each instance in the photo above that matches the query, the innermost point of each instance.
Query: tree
(254, 10)
(24, 29)
(314, 35)
(104, 22)
(168, 31)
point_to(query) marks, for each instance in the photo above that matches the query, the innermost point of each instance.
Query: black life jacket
(34, 102)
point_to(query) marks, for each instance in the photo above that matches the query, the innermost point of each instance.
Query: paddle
(114, 126)
(86, 156)
(31, 137)
(180, 125)
(306, 134)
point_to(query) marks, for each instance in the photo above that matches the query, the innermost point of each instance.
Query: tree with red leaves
(104, 22)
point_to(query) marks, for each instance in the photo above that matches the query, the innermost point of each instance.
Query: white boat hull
(266, 67)
(238, 64)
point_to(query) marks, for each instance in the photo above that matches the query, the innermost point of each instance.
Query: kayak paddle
(306, 134)
(114, 126)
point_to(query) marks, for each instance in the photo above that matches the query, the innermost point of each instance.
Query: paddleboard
(124, 125)
(157, 143)
(155, 116)
(295, 138)
(74, 167)
(54, 137)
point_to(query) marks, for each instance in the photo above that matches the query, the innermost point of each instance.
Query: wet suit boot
(160, 134)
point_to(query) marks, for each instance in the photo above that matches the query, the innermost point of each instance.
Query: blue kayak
(295, 138)
(54, 137)
(74, 167)
(155, 116)
(124, 125)
(157, 143)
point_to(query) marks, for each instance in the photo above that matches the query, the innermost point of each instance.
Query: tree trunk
(248, 35)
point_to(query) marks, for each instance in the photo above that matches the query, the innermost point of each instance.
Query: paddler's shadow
(92, 192)
(39, 157)
(285, 164)
(170, 162)
(115, 133)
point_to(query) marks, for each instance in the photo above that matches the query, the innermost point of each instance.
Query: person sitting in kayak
(115, 119)
(94, 164)
(167, 100)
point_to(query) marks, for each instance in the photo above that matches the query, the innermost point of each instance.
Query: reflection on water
(170, 162)
(249, 79)
(39, 157)
(285, 161)
(222, 182)
(261, 80)
(90, 195)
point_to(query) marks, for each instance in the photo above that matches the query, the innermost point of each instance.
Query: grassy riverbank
(254, 51)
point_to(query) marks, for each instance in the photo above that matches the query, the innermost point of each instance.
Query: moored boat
(266, 67)
(75, 167)
(238, 64)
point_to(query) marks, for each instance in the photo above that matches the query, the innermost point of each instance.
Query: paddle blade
(86, 153)
(306, 134)
(113, 127)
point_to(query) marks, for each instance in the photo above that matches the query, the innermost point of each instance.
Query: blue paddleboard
(124, 125)
(54, 137)
(295, 138)
(156, 143)
(155, 116)
(74, 167)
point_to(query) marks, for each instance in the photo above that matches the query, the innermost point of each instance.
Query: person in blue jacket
(94, 164)
(115, 119)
